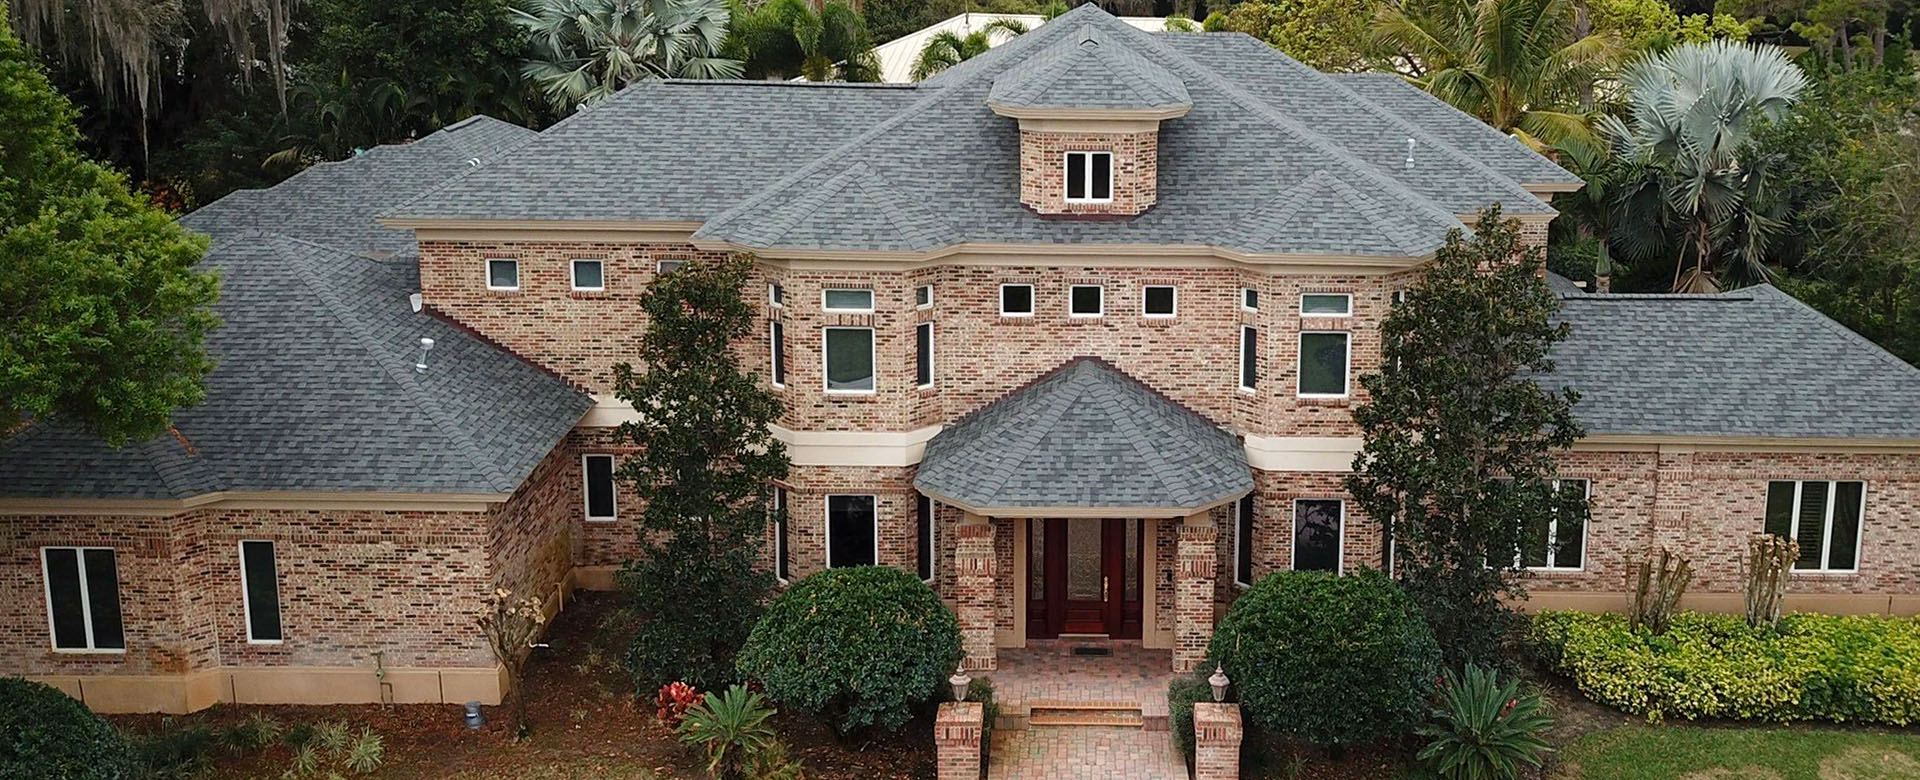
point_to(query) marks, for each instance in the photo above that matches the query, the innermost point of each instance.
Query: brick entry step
(1084, 753)
(1055, 712)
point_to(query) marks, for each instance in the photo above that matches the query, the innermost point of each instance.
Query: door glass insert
(1083, 559)
(1132, 545)
(1036, 559)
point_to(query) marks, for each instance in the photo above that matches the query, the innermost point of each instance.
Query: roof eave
(1141, 114)
(1152, 512)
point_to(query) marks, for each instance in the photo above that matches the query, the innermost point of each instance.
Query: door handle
(1103, 588)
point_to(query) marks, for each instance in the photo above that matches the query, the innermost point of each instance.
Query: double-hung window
(1323, 364)
(1318, 528)
(1243, 541)
(1822, 517)
(1562, 543)
(596, 471)
(853, 533)
(260, 592)
(923, 355)
(924, 535)
(1249, 358)
(83, 599)
(1089, 177)
(848, 360)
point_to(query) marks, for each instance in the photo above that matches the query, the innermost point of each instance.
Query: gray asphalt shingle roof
(314, 387)
(1085, 70)
(1753, 362)
(1084, 435)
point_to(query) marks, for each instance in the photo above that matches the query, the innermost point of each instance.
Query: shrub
(175, 751)
(1328, 660)
(731, 727)
(1483, 728)
(1843, 669)
(1182, 693)
(861, 646)
(45, 733)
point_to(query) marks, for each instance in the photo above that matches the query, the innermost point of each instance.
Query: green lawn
(1692, 753)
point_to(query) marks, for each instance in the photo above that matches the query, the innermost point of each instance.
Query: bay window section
(848, 360)
(853, 534)
(1323, 364)
(1318, 527)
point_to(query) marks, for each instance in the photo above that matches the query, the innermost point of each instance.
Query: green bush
(861, 646)
(1182, 693)
(1484, 728)
(46, 734)
(1841, 669)
(1328, 660)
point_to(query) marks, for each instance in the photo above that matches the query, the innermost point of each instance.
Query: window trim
(1033, 299)
(868, 309)
(1240, 518)
(777, 354)
(873, 361)
(1340, 546)
(917, 305)
(781, 570)
(931, 374)
(1346, 378)
(246, 593)
(486, 269)
(776, 295)
(1305, 313)
(586, 489)
(930, 554)
(1087, 173)
(826, 521)
(1100, 292)
(1553, 528)
(573, 274)
(1153, 316)
(660, 266)
(1249, 294)
(1240, 377)
(1826, 526)
(86, 601)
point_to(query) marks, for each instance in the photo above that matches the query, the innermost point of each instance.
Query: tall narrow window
(1016, 300)
(503, 274)
(260, 591)
(1562, 544)
(1822, 517)
(1249, 358)
(777, 352)
(83, 599)
(780, 569)
(1323, 364)
(849, 359)
(1318, 525)
(853, 534)
(1243, 540)
(597, 473)
(1089, 177)
(923, 354)
(923, 531)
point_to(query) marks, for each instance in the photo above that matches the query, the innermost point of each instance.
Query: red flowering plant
(672, 703)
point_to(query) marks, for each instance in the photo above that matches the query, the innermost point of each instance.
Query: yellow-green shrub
(1843, 669)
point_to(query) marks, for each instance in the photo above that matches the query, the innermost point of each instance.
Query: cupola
(1090, 109)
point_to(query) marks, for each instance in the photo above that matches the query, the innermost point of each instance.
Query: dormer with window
(1090, 113)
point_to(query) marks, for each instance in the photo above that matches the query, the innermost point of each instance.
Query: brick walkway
(1048, 670)
(1084, 753)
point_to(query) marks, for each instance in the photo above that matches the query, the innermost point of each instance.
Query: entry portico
(1086, 468)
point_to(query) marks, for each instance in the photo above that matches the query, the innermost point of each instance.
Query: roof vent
(1410, 144)
(475, 162)
(426, 345)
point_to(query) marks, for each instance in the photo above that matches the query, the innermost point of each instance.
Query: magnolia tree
(511, 625)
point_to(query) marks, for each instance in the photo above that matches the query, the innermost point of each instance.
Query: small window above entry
(1158, 300)
(1326, 304)
(1016, 300)
(1089, 177)
(589, 275)
(1085, 300)
(857, 301)
(503, 274)
(669, 266)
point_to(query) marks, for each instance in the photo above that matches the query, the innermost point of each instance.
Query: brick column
(1216, 741)
(956, 740)
(1193, 592)
(973, 591)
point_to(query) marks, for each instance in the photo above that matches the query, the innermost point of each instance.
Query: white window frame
(1305, 313)
(931, 553)
(86, 601)
(1152, 316)
(873, 361)
(1240, 519)
(776, 351)
(932, 373)
(573, 273)
(246, 595)
(916, 297)
(868, 309)
(776, 295)
(1346, 379)
(660, 267)
(1553, 536)
(780, 539)
(1033, 299)
(1249, 293)
(1240, 348)
(1826, 525)
(1293, 544)
(826, 521)
(586, 489)
(1099, 290)
(1087, 172)
(486, 270)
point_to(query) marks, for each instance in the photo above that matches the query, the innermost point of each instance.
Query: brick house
(1073, 330)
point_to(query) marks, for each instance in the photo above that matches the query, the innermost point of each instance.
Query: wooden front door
(1084, 577)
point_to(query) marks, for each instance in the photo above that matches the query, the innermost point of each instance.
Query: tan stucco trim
(598, 578)
(1083, 511)
(1549, 189)
(1090, 120)
(855, 448)
(1302, 453)
(1905, 605)
(399, 502)
(198, 690)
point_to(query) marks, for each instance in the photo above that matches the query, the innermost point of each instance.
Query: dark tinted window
(1323, 364)
(600, 486)
(1085, 299)
(263, 590)
(1243, 541)
(64, 597)
(83, 592)
(923, 511)
(1157, 300)
(778, 340)
(850, 531)
(1076, 176)
(1016, 299)
(1249, 358)
(1102, 175)
(1316, 535)
(923, 354)
(780, 533)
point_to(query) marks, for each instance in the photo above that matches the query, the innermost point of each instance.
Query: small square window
(503, 274)
(669, 266)
(1086, 301)
(1249, 299)
(1016, 300)
(776, 295)
(923, 296)
(1159, 301)
(1326, 304)
(589, 275)
(1089, 177)
(858, 301)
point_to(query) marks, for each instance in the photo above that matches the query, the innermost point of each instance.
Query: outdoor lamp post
(1219, 682)
(960, 681)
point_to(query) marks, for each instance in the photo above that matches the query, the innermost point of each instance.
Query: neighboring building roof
(1753, 362)
(1084, 435)
(314, 386)
(898, 56)
(1085, 70)
(1238, 171)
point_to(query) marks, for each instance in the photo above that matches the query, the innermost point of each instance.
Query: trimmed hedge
(1842, 669)
(861, 646)
(46, 734)
(1182, 693)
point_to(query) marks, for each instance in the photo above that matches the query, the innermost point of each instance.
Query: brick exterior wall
(1136, 165)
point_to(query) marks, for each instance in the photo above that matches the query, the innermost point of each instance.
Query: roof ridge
(1834, 325)
(1157, 464)
(399, 209)
(168, 468)
(894, 207)
(1029, 438)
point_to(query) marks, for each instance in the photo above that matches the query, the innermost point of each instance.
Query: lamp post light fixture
(960, 682)
(1219, 682)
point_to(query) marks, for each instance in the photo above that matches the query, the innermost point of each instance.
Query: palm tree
(1519, 65)
(947, 48)
(787, 38)
(1689, 182)
(585, 50)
